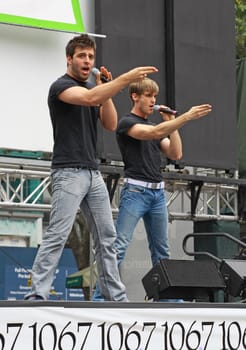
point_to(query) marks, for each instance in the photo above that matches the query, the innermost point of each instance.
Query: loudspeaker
(234, 274)
(186, 279)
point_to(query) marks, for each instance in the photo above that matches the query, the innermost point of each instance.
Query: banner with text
(119, 328)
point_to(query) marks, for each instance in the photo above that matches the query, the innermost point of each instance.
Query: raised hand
(139, 73)
(197, 112)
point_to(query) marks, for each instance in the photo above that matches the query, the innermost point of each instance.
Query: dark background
(192, 43)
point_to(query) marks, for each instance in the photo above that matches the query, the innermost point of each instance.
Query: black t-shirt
(74, 128)
(142, 159)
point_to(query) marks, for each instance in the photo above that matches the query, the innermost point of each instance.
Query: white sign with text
(119, 328)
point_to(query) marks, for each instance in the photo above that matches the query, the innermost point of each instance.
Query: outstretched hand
(140, 73)
(197, 112)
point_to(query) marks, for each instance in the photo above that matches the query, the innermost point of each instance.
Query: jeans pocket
(66, 180)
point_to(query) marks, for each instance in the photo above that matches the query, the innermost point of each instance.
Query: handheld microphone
(165, 110)
(95, 72)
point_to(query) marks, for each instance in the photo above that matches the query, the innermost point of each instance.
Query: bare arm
(172, 146)
(99, 94)
(108, 115)
(166, 128)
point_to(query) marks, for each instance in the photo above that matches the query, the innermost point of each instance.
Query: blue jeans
(138, 202)
(71, 189)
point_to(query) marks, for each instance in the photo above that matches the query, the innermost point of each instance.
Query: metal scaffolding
(25, 183)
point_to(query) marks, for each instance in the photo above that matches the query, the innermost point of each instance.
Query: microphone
(165, 110)
(95, 72)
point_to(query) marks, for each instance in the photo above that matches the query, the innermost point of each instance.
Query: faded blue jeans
(138, 202)
(73, 188)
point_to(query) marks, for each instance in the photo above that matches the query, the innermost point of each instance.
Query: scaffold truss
(25, 186)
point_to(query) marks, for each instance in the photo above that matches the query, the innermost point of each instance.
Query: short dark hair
(82, 41)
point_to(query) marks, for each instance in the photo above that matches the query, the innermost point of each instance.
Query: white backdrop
(31, 59)
(55, 10)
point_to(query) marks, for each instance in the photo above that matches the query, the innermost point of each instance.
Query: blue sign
(15, 276)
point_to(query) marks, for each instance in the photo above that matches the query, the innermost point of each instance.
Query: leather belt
(151, 185)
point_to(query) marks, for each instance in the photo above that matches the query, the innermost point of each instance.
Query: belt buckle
(155, 186)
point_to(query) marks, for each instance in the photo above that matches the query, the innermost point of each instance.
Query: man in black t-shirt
(75, 106)
(141, 144)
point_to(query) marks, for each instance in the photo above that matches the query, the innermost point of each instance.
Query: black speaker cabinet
(234, 273)
(186, 279)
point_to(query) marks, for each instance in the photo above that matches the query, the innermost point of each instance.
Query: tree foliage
(240, 27)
